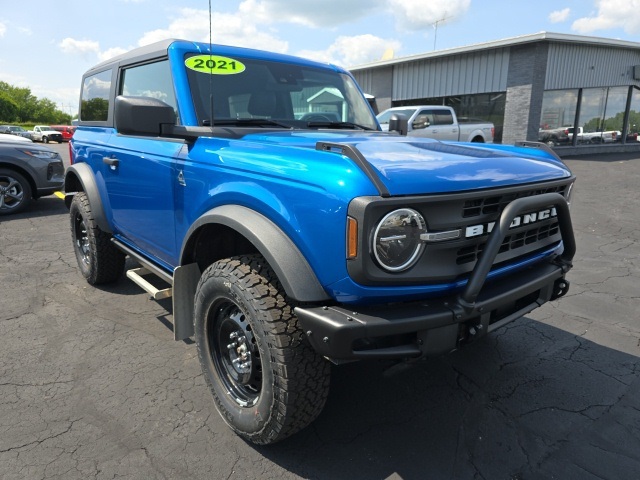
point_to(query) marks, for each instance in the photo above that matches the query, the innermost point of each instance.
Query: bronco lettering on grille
(526, 219)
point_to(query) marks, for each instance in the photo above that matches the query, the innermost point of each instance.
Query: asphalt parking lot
(92, 384)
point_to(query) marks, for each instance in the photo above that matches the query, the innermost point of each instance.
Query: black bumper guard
(333, 330)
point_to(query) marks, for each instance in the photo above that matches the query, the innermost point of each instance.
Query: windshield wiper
(339, 125)
(251, 122)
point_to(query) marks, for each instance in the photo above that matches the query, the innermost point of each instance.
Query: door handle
(111, 161)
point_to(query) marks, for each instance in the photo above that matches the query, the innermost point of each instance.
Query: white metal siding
(571, 65)
(466, 74)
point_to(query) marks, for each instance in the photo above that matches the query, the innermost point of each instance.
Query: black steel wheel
(15, 192)
(99, 261)
(266, 380)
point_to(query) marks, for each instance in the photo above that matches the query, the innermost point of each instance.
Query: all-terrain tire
(99, 260)
(266, 380)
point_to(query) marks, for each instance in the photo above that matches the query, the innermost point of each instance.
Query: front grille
(473, 214)
(511, 242)
(496, 203)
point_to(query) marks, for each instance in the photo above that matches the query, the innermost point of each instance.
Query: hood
(413, 166)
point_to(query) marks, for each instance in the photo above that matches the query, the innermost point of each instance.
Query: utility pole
(435, 26)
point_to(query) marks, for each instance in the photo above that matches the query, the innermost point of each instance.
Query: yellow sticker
(214, 64)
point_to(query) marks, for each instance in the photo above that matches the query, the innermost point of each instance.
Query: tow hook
(560, 288)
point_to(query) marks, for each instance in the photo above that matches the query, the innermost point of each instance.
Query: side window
(428, 115)
(444, 117)
(94, 103)
(150, 80)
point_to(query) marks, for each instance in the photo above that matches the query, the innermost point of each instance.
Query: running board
(136, 275)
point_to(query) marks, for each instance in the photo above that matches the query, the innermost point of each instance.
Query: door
(140, 175)
(140, 178)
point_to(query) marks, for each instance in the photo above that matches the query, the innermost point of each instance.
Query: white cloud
(236, 29)
(559, 16)
(3, 29)
(611, 14)
(112, 52)
(420, 14)
(79, 47)
(328, 13)
(351, 51)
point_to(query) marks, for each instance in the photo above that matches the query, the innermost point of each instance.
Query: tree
(27, 108)
(8, 108)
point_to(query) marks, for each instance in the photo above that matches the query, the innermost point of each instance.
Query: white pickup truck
(439, 122)
(564, 136)
(44, 133)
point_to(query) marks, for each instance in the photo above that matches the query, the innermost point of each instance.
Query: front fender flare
(294, 272)
(84, 174)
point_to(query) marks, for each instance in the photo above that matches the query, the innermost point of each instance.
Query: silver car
(15, 130)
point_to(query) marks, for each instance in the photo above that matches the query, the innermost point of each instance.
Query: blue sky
(46, 46)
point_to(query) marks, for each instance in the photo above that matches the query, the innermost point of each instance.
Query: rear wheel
(266, 380)
(15, 192)
(99, 261)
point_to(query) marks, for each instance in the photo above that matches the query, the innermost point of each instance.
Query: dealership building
(532, 87)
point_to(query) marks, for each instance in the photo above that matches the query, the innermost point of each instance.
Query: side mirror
(421, 121)
(399, 123)
(142, 115)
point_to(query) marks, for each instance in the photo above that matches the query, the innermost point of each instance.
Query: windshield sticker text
(214, 65)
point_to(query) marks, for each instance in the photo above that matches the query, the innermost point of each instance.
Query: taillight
(493, 132)
(70, 154)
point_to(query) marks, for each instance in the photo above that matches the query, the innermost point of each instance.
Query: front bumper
(410, 330)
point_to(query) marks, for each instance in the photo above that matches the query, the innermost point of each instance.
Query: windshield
(383, 118)
(280, 94)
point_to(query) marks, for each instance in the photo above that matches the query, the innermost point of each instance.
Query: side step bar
(183, 281)
(136, 275)
(147, 268)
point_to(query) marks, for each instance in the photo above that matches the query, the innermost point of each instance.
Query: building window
(634, 116)
(558, 109)
(602, 114)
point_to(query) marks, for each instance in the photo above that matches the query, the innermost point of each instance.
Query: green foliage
(8, 108)
(613, 123)
(95, 109)
(18, 105)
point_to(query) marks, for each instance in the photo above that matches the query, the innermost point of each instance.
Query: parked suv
(27, 172)
(292, 231)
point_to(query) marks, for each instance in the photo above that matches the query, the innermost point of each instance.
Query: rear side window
(94, 103)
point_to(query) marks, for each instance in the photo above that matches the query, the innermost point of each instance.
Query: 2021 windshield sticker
(214, 64)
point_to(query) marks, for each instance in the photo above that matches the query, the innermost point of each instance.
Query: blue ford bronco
(291, 232)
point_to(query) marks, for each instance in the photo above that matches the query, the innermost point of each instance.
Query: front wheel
(99, 261)
(15, 192)
(266, 380)
(45, 139)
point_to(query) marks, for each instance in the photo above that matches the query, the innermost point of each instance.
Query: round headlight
(396, 241)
